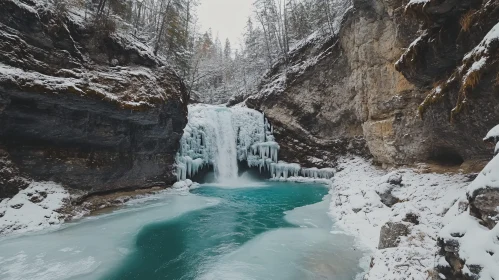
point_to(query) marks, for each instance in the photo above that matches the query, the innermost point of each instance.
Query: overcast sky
(225, 17)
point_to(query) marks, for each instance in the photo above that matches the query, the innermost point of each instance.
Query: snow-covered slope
(402, 237)
(469, 242)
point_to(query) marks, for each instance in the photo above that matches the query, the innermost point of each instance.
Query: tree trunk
(162, 28)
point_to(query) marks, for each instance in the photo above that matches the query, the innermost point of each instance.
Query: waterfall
(225, 155)
(220, 137)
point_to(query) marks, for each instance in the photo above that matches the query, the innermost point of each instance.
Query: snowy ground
(358, 209)
(33, 208)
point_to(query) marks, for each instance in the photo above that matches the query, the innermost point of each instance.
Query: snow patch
(487, 178)
(33, 208)
(482, 48)
(476, 66)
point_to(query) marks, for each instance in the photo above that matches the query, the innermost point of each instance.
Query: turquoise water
(275, 231)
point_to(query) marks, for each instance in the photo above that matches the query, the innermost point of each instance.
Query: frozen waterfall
(220, 137)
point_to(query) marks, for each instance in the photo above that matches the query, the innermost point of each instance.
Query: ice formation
(220, 137)
(284, 170)
(324, 173)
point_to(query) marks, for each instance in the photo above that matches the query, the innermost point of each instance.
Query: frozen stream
(269, 231)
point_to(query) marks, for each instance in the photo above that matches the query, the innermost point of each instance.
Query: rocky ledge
(84, 105)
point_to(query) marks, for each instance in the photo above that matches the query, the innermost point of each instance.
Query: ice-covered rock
(284, 170)
(323, 173)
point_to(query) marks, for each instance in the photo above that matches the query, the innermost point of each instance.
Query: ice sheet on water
(308, 252)
(293, 253)
(312, 216)
(93, 245)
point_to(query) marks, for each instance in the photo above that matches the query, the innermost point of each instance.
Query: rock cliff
(357, 92)
(82, 104)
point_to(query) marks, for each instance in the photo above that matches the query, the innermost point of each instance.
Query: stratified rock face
(455, 61)
(90, 109)
(352, 94)
(349, 90)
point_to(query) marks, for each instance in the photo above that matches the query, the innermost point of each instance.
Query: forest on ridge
(213, 68)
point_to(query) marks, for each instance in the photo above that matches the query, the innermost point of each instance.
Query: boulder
(384, 191)
(391, 233)
(484, 204)
(386, 188)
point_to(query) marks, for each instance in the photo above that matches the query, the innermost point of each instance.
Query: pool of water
(269, 231)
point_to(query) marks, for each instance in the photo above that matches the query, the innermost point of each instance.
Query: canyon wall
(356, 92)
(83, 105)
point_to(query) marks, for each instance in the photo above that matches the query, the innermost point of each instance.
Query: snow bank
(33, 208)
(477, 246)
(471, 242)
(487, 178)
(358, 209)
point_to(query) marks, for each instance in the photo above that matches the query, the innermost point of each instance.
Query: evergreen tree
(227, 49)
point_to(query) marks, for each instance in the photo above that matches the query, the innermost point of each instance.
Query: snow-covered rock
(493, 135)
(33, 208)
(391, 233)
(469, 240)
(95, 111)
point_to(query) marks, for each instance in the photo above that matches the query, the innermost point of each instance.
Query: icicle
(220, 136)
